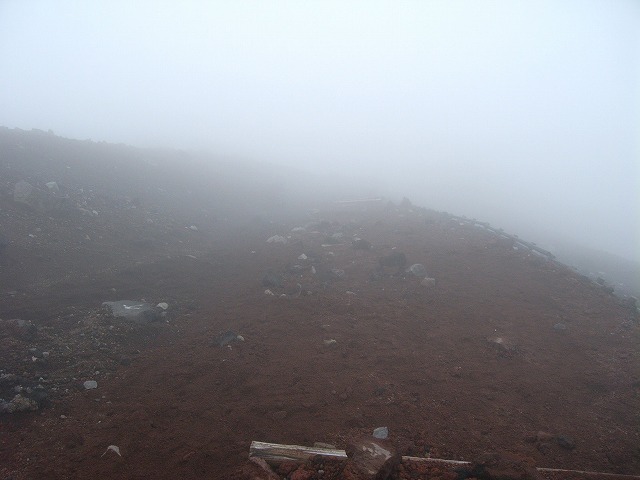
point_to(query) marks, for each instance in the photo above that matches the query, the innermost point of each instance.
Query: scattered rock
(19, 403)
(277, 239)
(418, 269)
(137, 312)
(371, 458)
(560, 327)
(302, 257)
(504, 346)
(381, 433)
(90, 384)
(112, 448)
(18, 328)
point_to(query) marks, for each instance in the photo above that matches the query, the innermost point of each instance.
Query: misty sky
(525, 114)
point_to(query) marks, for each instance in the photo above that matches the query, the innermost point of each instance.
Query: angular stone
(371, 458)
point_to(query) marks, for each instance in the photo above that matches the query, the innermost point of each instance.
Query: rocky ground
(319, 335)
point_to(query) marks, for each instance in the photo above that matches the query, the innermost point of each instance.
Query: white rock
(330, 342)
(302, 257)
(268, 292)
(112, 448)
(418, 270)
(90, 384)
(277, 239)
(163, 305)
(194, 228)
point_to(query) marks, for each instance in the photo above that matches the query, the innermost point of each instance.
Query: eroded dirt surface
(507, 352)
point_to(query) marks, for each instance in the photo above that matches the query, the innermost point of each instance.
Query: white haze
(523, 114)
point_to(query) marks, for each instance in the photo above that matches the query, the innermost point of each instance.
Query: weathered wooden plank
(275, 453)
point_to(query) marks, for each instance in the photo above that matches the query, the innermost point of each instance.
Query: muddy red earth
(504, 351)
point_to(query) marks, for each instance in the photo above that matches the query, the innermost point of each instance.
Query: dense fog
(522, 114)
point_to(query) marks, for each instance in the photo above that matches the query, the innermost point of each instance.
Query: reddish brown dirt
(422, 361)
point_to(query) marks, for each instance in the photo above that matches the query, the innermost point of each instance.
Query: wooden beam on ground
(275, 453)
